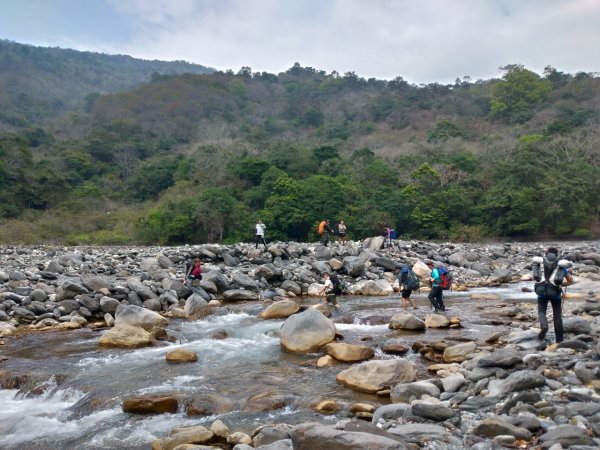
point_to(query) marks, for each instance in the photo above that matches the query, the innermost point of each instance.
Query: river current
(77, 403)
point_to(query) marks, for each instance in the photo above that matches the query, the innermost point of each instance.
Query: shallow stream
(78, 405)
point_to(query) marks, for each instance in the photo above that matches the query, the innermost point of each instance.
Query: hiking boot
(542, 334)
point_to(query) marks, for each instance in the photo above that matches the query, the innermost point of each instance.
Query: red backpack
(445, 278)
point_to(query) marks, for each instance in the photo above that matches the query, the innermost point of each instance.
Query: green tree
(519, 92)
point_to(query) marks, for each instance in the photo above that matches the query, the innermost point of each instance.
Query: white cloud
(423, 41)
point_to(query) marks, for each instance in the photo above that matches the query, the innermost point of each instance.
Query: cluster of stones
(44, 287)
(511, 389)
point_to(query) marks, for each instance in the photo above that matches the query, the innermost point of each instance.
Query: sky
(423, 41)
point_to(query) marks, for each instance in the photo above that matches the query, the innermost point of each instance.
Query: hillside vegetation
(200, 157)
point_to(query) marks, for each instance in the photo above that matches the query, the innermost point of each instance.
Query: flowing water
(77, 403)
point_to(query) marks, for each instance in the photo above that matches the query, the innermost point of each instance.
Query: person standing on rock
(260, 233)
(436, 295)
(342, 231)
(324, 230)
(550, 274)
(409, 282)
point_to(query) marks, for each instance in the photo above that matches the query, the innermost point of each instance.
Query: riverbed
(77, 402)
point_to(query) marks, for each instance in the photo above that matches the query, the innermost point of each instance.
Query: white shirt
(260, 229)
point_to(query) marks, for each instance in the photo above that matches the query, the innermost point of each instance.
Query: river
(77, 403)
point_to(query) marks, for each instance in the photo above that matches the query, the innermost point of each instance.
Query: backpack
(338, 286)
(321, 227)
(393, 234)
(445, 278)
(412, 281)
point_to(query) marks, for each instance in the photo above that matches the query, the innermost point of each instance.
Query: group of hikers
(549, 273)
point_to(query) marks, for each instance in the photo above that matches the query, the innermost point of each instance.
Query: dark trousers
(260, 239)
(436, 297)
(325, 238)
(556, 312)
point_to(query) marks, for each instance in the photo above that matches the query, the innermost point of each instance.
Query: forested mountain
(200, 157)
(36, 82)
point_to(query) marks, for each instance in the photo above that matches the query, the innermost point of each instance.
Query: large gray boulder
(406, 392)
(307, 332)
(69, 289)
(196, 307)
(140, 317)
(376, 376)
(244, 281)
(406, 321)
(311, 436)
(516, 381)
(233, 295)
(280, 310)
(354, 266)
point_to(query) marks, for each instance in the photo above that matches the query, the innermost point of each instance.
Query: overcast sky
(421, 40)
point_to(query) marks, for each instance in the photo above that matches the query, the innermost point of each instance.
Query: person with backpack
(550, 274)
(409, 282)
(260, 233)
(324, 230)
(332, 287)
(389, 234)
(436, 294)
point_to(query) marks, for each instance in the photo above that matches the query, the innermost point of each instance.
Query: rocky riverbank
(507, 390)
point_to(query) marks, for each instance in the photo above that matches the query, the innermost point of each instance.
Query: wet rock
(267, 400)
(500, 358)
(406, 321)
(269, 434)
(196, 307)
(126, 336)
(395, 348)
(181, 355)
(376, 376)
(307, 332)
(150, 405)
(436, 321)
(349, 352)
(280, 310)
(140, 317)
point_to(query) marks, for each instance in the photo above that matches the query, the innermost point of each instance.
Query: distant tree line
(199, 158)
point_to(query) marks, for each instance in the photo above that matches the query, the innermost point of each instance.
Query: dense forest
(98, 149)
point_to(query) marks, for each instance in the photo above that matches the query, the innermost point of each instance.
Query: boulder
(354, 266)
(349, 352)
(494, 426)
(436, 321)
(406, 392)
(280, 310)
(69, 289)
(195, 307)
(375, 288)
(516, 381)
(459, 352)
(307, 332)
(406, 321)
(150, 405)
(376, 376)
(181, 355)
(311, 436)
(140, 317)
(239, 295)
(125, 336)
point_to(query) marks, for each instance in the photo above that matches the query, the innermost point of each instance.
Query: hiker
(260, 233)
(409, 282)
(550, 273)
(324, 230)
(194, 272)
(332, 288)
(342, 231)
(388, 233)
(436, 295)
